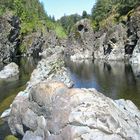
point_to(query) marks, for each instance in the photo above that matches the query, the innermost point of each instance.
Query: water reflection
(114, 79)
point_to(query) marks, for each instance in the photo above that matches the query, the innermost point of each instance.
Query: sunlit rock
(74, 114)
(9, 71)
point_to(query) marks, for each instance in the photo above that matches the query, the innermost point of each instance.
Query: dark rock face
(121, 41)
(33, 43)
(110, 45)
(9, 41)
(37, 42)
(134, 35)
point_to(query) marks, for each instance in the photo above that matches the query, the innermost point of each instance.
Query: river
(114, 79)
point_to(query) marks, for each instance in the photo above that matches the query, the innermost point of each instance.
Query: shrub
(11, 137)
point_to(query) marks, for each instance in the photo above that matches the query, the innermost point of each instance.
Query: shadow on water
(114, 79)
(9, 89)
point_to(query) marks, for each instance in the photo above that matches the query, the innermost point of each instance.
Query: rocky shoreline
(50, 109)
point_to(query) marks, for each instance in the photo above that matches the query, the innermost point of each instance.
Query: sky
(58, 8)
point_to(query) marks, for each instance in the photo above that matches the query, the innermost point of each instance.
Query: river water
(114, 79)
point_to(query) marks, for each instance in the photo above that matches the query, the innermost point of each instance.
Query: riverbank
(61, 112)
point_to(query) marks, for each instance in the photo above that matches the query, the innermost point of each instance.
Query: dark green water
(9, 89)
(115, 79)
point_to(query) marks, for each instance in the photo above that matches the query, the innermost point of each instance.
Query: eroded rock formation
(80, 41)
(118, 42)
(9, 33)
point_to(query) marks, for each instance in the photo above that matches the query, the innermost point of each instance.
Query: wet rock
(136, 69)
(9, 71)
(6, 113)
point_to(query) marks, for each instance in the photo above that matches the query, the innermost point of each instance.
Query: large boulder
(80, 41)
(9, 37)
(55, 112)
(9, 71)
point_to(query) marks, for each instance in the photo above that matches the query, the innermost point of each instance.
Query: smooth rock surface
(60, 113)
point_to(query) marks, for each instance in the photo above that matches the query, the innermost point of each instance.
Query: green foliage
(84, 14)
(22, 48)
(101, 9)
(60, 32)
(108, 12)
(77, 35)
(1, 11)
(68, 21)
(32, 16)
(11, 137)
(94, 25)
(127, 5)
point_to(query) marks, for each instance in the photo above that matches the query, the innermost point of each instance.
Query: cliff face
(134, 34)
(117, 42)
(13, 43)
(9, 37)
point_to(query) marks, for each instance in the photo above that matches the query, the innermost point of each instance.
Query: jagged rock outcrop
(111, 45)
(134, 33)
(9, 71)
(118, 42)
(135, 59)
(80, 41)
(53, 111)
(9, 41)
(51, 67)
(37, 42)
(121, 41)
